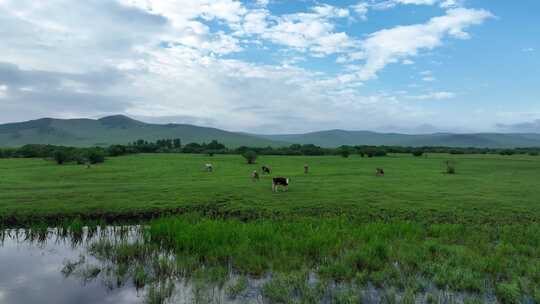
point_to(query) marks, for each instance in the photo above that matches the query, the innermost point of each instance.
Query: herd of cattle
(279, 181)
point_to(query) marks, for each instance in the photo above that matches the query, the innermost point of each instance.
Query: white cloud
(361, 9)
(168, 59)
(311, 32)
(434, 96)
(3, 90)
(528, 50)
(393, 3)
(402, 42)
(187, 30)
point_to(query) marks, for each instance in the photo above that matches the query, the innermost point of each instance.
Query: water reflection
(105, 265)
(31, 270)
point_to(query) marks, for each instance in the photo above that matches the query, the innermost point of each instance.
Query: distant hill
(119, 129)
(334, 138)
(116, 129)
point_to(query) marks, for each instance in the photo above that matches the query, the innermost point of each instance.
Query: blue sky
(276, 66)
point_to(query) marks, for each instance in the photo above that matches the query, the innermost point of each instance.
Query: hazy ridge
(119, 129)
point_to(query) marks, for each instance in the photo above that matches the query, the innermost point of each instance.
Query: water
(59, 267)
(31, 272)
(100, 265)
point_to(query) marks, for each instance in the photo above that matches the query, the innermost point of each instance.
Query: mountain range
(120, 129)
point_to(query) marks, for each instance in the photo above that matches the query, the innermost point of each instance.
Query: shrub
(250, 156)
(418, 153)
(533, 153)
(450, 167)
(116, 150)
(60, 156)
(80, 158)
(344, 152)
(96, 156)
(508, 292)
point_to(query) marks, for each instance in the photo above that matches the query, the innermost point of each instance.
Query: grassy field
(485, 188)
(416, 234)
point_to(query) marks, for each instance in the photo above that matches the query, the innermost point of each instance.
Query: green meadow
(415, 235)
(485, 188)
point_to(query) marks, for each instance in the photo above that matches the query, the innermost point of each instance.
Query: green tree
(250, 156)
(344, 151)
(96, 156)
(60, 156)
(418, 153)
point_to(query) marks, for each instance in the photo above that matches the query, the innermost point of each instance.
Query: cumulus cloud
(403, 42)
(183, 59)
(312, 32)
(361, 9)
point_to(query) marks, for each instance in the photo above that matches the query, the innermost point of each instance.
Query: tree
(60, 156)
(95, 156)
(344, 152)
(250, 156)
(116, 150)
(418, 153)
(177, 143)
(450, 167)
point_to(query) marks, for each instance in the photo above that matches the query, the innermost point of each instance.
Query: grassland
(411, 235)
(486, 189)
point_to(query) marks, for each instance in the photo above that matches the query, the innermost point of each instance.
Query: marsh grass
(309, 259)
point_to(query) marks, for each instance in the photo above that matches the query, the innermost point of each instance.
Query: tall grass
(464, 258)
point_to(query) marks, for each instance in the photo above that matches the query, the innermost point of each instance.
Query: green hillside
(116, 129)
(121, 129)
(334, 138)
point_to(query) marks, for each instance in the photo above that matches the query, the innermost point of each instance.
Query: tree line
(63, 154)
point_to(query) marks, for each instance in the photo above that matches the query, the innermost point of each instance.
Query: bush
(60, 156)
(508, 292)
(418, 153)
(116, 150)
(534, 153)
(250, 156)
(450, 167)
(344, 152)
(95, 156)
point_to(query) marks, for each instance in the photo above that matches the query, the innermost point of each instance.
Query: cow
(306, 169)
(255, 176)
(209, 167)
(280, 181)
(379, 172)
(266, 169)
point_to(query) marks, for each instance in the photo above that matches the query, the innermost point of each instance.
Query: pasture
(486, 188)
(416, 234)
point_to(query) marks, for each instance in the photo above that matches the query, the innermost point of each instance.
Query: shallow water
(31, 272)
(55, 266)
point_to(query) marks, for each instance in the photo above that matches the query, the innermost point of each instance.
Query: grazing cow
(306, 169)
(255, 176)
(379, 172)
(266, 169)
(280, 181)
(209, 167)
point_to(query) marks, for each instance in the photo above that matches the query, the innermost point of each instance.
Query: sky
(276, 66)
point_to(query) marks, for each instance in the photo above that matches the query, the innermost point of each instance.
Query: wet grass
(312, 260)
